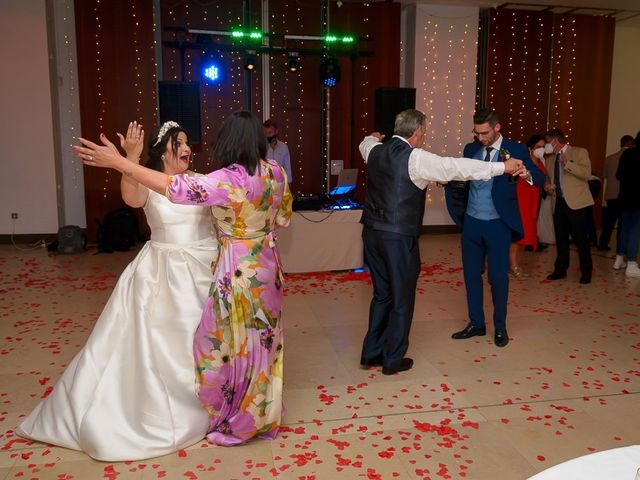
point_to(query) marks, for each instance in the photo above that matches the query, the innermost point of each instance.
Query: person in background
(238, 346)
(112, 400)
(629, 200)
(276, 149)
(528, 203)
(569, 170)
(611, 210)
(595, 186)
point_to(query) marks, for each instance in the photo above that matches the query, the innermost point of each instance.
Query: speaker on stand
(180, 102)
(390, 101)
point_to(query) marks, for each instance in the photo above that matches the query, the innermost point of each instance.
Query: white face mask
(539, 153)
(548, 148)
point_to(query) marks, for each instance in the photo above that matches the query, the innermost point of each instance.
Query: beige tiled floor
(567, 384)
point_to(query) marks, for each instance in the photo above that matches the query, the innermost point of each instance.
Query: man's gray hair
(407, 122)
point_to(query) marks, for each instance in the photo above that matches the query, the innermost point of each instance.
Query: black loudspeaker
(180, 102)
(390, 102)
(71, 239)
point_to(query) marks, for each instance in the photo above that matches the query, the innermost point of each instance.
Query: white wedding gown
(129, 393)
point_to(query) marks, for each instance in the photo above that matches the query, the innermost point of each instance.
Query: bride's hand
(95, 155)
(133, 142)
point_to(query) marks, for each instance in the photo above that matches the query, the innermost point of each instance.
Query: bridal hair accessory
(164, 129)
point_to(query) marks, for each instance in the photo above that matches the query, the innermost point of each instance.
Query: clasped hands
(515, 167)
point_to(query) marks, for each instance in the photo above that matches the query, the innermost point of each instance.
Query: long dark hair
(157, 151)
(240, 141)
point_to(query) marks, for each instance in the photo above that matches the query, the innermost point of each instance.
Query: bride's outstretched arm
(107, 156)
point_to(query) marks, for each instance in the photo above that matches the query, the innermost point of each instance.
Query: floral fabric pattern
(238, 346)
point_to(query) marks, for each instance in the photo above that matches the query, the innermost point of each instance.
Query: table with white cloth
(320, 241)
(617, 464)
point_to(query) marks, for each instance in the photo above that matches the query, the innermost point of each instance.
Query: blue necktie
(487, 157)
(556, 176)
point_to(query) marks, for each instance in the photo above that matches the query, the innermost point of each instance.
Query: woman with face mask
(528, 201)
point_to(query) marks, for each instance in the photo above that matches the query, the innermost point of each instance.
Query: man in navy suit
(487, 212)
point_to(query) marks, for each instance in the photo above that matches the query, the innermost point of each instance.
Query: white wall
(28, 184)
(625, 84)
(443, 40)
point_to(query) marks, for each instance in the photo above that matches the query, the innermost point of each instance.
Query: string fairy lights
(530, 74)
(99, 85)
(140, 94)
(447, 69)
(564, 65)
(287, 92)
(365, 88)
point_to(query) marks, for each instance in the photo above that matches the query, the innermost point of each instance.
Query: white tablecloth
(321, 241)
(616, 464)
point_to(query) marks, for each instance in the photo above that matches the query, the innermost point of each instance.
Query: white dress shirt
(425, 167)
(281, 155)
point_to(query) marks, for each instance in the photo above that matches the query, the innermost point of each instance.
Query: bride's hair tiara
(166, 126)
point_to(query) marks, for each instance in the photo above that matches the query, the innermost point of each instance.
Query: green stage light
(341, 39)
(238, 34)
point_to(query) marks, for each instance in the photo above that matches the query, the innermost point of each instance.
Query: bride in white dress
(129, 394)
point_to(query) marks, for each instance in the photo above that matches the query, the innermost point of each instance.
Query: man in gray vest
(398, 173)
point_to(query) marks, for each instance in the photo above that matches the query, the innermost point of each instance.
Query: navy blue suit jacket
(503, 192)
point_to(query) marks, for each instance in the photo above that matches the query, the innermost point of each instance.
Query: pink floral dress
(238, 346)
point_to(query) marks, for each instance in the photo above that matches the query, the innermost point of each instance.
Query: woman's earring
(162, 157)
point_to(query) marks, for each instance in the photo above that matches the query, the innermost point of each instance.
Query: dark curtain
(551, 71)
(295, 98)
(117, 77)
(117, 84)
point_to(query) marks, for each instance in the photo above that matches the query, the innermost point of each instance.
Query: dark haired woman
(129, 393)
(238, 346)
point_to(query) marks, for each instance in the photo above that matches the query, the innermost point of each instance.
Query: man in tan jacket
(569, 169)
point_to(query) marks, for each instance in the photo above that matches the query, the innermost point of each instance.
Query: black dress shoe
(468, 332)
(556, 275)
(501, 338)
(584, 279)
(374, 362)
(405, 364)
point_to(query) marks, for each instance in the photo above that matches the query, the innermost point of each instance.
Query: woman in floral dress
(238, 346)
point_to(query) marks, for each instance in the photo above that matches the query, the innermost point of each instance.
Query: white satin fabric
(129, 393)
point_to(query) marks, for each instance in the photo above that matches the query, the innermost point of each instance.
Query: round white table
(617, 464)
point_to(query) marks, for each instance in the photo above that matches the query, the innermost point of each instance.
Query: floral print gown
(238, 346)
